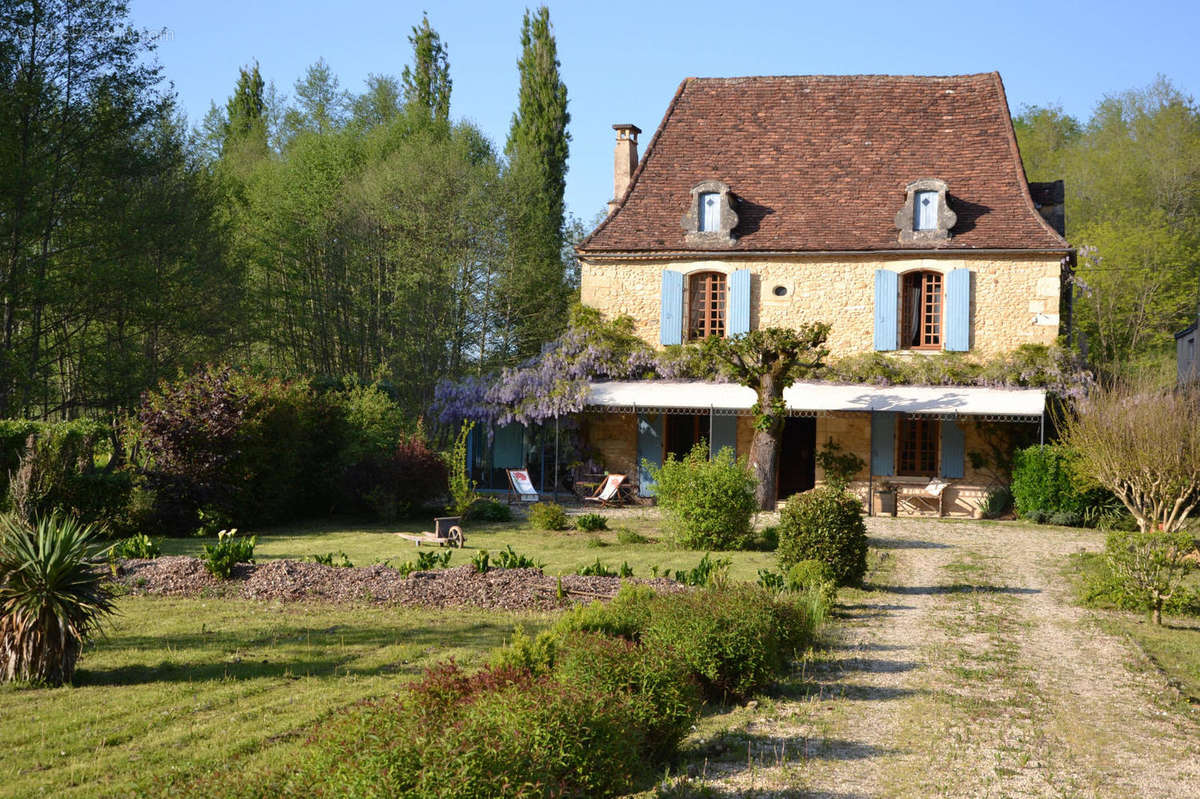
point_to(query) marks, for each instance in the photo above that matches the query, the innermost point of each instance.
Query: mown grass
(1174, 647)
(178, 686)
(562, 552)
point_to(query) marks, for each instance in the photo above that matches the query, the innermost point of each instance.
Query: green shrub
(767, 539)
(1036, 515)
(221, 557)
(489, 510)
(508, 559)
(838, 467)
(496, 733)
(596, 542)
(662, 692)
(708, 504)
(625, 615)
(535, 654)
(1066, 518)
(461, 487)
(825, 524)
(1044, 482)
(137, 546)
(547, 516)
(627, 536)
(590, 522)
(737, 639)
(998, 502)
(53, 597)
(813, 575)
(1149, 567)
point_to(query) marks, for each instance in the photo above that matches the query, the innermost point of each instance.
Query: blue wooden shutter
(724, 433)
(739, 303)
(952, 449)
(671, 318)
(649, 448)
(883, 443)
(958, 310)
(887, 305)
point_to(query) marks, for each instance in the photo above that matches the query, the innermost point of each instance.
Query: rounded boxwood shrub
(708, 502)
(547, 516)
(824, 524)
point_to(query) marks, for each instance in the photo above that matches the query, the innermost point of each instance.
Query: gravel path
(968, 672)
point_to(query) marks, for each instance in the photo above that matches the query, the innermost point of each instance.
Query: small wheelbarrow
(446, 530)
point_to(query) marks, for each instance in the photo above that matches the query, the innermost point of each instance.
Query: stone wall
(614, 437)
(1014, 298)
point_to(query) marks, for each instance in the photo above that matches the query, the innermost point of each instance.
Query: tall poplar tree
(427, 83)
(533, 294)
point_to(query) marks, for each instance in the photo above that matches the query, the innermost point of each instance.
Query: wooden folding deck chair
(608, 493)
(520, 487)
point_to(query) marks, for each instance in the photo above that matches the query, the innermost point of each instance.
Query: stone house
(895, 208)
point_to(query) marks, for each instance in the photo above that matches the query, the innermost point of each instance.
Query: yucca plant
(53, 596)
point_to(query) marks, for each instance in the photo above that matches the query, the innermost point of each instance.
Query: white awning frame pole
(556, 457)
(870, 465)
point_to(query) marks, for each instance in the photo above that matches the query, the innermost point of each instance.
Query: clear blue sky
(622, 61)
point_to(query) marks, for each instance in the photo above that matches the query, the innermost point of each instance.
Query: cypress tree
(427, 83)
(246, 112)
(535, 292)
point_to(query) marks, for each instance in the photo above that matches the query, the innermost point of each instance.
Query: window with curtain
(917, 446)
(921, 307)
(710, 212)
(706, 305)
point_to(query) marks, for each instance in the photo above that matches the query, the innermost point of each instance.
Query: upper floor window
(921, 309)
(710, 212)
(925, 217)
(710, 217)
(925, 208)
(706, 305)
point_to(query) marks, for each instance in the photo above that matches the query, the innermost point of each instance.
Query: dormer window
(926, 215)
(710, 218)
(710, 212)
(925, 207)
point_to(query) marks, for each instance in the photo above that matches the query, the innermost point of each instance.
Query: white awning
(683, 397)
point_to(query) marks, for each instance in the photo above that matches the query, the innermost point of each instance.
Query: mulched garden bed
(295, 581)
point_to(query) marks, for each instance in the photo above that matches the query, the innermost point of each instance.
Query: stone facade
(1015, 298)
(614, 437)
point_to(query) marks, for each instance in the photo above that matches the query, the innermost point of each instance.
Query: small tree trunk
(764, 460)
(1158, 603)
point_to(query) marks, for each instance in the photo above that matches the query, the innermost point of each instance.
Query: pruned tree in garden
(768, 361)
(1144, 446)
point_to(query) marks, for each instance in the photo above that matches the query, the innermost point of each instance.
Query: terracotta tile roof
(820, 163)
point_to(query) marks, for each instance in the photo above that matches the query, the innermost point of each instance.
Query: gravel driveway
(966, 671)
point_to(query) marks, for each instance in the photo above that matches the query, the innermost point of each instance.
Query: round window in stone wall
(779, 291)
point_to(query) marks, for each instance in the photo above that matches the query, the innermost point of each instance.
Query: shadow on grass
(954, 588)
(905, 543)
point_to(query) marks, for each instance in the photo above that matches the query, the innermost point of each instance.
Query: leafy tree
(534, 294)
(321, 102)
(1142, 446)
(1132, 178)
(427, 83)
(379, 104)
(769, 360)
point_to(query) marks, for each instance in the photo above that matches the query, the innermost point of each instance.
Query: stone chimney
(625, 160)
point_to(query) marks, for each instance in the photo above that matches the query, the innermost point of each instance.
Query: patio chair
(930, 496)
(608, 493)
(520, 487)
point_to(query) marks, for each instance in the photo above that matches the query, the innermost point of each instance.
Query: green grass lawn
(1174, 646)
(180, 686)
(562, 552)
